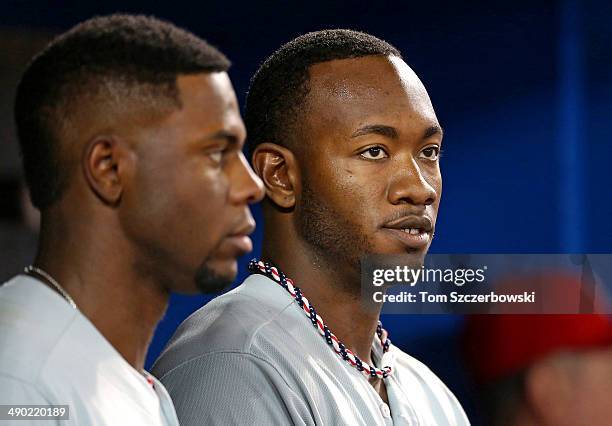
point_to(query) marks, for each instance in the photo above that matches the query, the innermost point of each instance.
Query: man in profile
(543, 369)
(131, 140)
(347, 143)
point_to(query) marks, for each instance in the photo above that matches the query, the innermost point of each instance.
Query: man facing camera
(131, 140)
(347, 143)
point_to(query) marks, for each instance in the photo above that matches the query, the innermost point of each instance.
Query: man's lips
(414, 232)
(242, 243)
(240, 238)
(246, 228)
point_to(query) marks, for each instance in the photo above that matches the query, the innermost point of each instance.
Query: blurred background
(523, 90)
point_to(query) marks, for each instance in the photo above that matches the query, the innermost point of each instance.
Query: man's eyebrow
(432, 131)
(391, 132)
(227, 135)
(377, 129)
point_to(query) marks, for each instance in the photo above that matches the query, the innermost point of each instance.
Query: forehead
(348, 92)
(207, 94)
(208, 109)
(208, 105)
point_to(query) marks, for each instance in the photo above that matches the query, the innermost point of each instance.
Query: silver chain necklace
(31, 268)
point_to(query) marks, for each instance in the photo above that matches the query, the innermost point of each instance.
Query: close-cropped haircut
(280, 85)
(117, 58)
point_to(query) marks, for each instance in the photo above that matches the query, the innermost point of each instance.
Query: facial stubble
(336, 242)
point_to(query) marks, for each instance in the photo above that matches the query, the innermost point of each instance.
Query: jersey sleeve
(20, 393)
(231, 388)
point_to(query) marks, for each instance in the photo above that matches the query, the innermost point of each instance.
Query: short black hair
(281, 82)
(134, 52)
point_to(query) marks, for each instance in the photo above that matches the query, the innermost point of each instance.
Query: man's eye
(374, 153)
(430, 153)
(216, 156)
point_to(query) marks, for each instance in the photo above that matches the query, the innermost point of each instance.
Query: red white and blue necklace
(275, 274)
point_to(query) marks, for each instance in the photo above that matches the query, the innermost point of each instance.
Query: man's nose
(246, 187)
(410, 186)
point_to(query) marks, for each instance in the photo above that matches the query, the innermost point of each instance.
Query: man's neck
(124, 306)
(336, 300)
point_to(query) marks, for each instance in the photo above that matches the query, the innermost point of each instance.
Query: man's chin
(215, 278)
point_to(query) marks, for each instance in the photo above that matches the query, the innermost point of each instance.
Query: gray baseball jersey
(251, 356)
(51, 354)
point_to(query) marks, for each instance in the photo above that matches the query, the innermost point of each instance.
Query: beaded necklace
(272, 272)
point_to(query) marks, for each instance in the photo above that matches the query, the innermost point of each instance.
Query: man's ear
(104, 163)
(278, 169)
(548, 389)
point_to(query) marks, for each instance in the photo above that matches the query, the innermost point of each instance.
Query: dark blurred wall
(18, 220)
